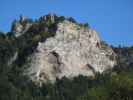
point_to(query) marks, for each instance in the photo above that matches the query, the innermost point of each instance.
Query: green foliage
(7, 48)
(86, 25)
(114, 86)
(72, 20)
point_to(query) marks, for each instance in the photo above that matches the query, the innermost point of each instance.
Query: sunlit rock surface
(74, 50)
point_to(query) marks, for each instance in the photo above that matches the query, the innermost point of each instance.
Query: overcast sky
(112, 19)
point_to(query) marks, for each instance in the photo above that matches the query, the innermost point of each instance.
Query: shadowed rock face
(73, 51)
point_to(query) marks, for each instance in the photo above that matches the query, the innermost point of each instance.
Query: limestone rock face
(21, 26)
(73, 51)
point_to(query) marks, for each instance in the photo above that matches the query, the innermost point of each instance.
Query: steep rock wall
(74, 50)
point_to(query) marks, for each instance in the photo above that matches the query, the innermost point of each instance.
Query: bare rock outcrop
(73, 51)
(21, 26)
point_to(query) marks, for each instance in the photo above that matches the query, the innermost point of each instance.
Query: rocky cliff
(59, 50)
(73, 50)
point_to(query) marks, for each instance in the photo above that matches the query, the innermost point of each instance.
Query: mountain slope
(60, 47)
(58, 50)
(73, 51)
